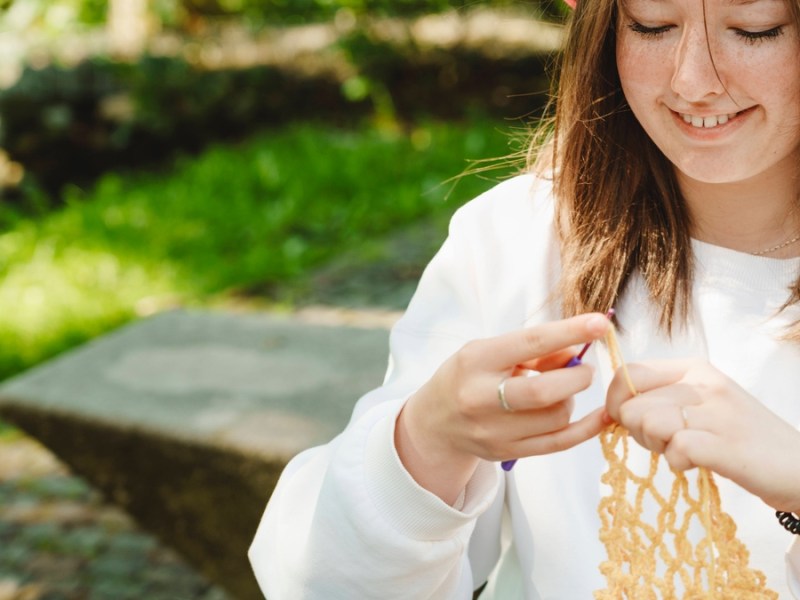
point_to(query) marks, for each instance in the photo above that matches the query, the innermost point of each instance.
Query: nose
(696, 76)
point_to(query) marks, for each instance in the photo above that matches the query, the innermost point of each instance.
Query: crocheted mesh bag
(651, 560)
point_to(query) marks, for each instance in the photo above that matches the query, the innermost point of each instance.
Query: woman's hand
(457, 418)
(698, 417)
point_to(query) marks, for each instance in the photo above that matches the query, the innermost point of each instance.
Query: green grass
(237, 219)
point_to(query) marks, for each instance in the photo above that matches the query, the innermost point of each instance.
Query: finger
(690, 448)
(633, 411)
(554, 360)
(532, 393)
(563, 439)
(649, 379)
(647, 375)
(657, 426)
(530, 423)
(518, 347)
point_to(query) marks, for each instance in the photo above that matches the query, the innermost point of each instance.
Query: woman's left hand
(698, 417)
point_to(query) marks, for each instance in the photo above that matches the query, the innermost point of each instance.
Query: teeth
(706, 122)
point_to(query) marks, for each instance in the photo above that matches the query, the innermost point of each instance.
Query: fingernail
(607, 420)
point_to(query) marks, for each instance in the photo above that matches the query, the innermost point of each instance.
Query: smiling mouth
(708, 122)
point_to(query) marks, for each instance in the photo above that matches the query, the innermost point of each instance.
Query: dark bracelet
(789, 521)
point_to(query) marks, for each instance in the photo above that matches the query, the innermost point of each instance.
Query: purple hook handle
(573, 362)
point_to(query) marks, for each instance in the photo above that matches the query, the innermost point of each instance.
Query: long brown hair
(619, 208)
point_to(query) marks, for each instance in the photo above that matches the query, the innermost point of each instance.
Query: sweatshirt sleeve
(346, 520)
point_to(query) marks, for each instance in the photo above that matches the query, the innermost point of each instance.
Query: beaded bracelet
(789, 521)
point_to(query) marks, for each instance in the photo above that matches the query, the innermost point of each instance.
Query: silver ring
(501, 395)
(685, 415)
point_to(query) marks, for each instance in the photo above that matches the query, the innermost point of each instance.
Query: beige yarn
(648, 561)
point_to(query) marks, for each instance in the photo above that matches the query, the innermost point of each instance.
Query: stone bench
(186, 419)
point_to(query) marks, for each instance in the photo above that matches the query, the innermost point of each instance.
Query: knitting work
(659, 560)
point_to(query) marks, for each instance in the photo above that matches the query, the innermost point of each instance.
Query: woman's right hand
(456, 418)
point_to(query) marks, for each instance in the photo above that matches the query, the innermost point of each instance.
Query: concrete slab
(186, 419)
(261, 384)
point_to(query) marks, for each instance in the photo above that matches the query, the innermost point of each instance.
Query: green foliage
(50, 16)
(245, 217)
(316, 10)
(71, 124)
(303, 11)
(93, 11)
(58, 15)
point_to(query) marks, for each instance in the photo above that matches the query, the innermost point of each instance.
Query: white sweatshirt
(346, 521)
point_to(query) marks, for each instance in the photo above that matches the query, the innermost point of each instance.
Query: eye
(648, 32)
(753, 37)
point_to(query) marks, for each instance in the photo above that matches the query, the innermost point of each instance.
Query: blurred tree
(206, 7)
(129, 23)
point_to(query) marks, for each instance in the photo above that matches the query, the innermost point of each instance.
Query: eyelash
(754, 37)
(750, 37)
(648, 32)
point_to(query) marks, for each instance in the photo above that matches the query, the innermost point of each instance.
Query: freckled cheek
(643, 72)
(791, 82)
(770, 73)
(760, 74)
(640, 87)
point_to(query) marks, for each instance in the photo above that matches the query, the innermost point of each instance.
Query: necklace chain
(778, 247)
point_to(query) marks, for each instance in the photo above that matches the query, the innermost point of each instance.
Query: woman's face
(728, 118)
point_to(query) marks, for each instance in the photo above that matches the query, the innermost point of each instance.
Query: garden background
(256, 155)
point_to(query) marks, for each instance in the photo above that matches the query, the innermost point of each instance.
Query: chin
(715, 179)
(709, 173)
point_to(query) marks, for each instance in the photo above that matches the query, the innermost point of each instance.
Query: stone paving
(60, 541)
(186, 419)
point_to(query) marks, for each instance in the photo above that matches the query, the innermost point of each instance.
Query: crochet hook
(573, 362)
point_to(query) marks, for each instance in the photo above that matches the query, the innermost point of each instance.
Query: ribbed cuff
(411, 509)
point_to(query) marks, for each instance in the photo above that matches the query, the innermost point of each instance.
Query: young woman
(669, 190)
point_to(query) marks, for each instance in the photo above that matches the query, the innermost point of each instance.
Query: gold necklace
(778, 247)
